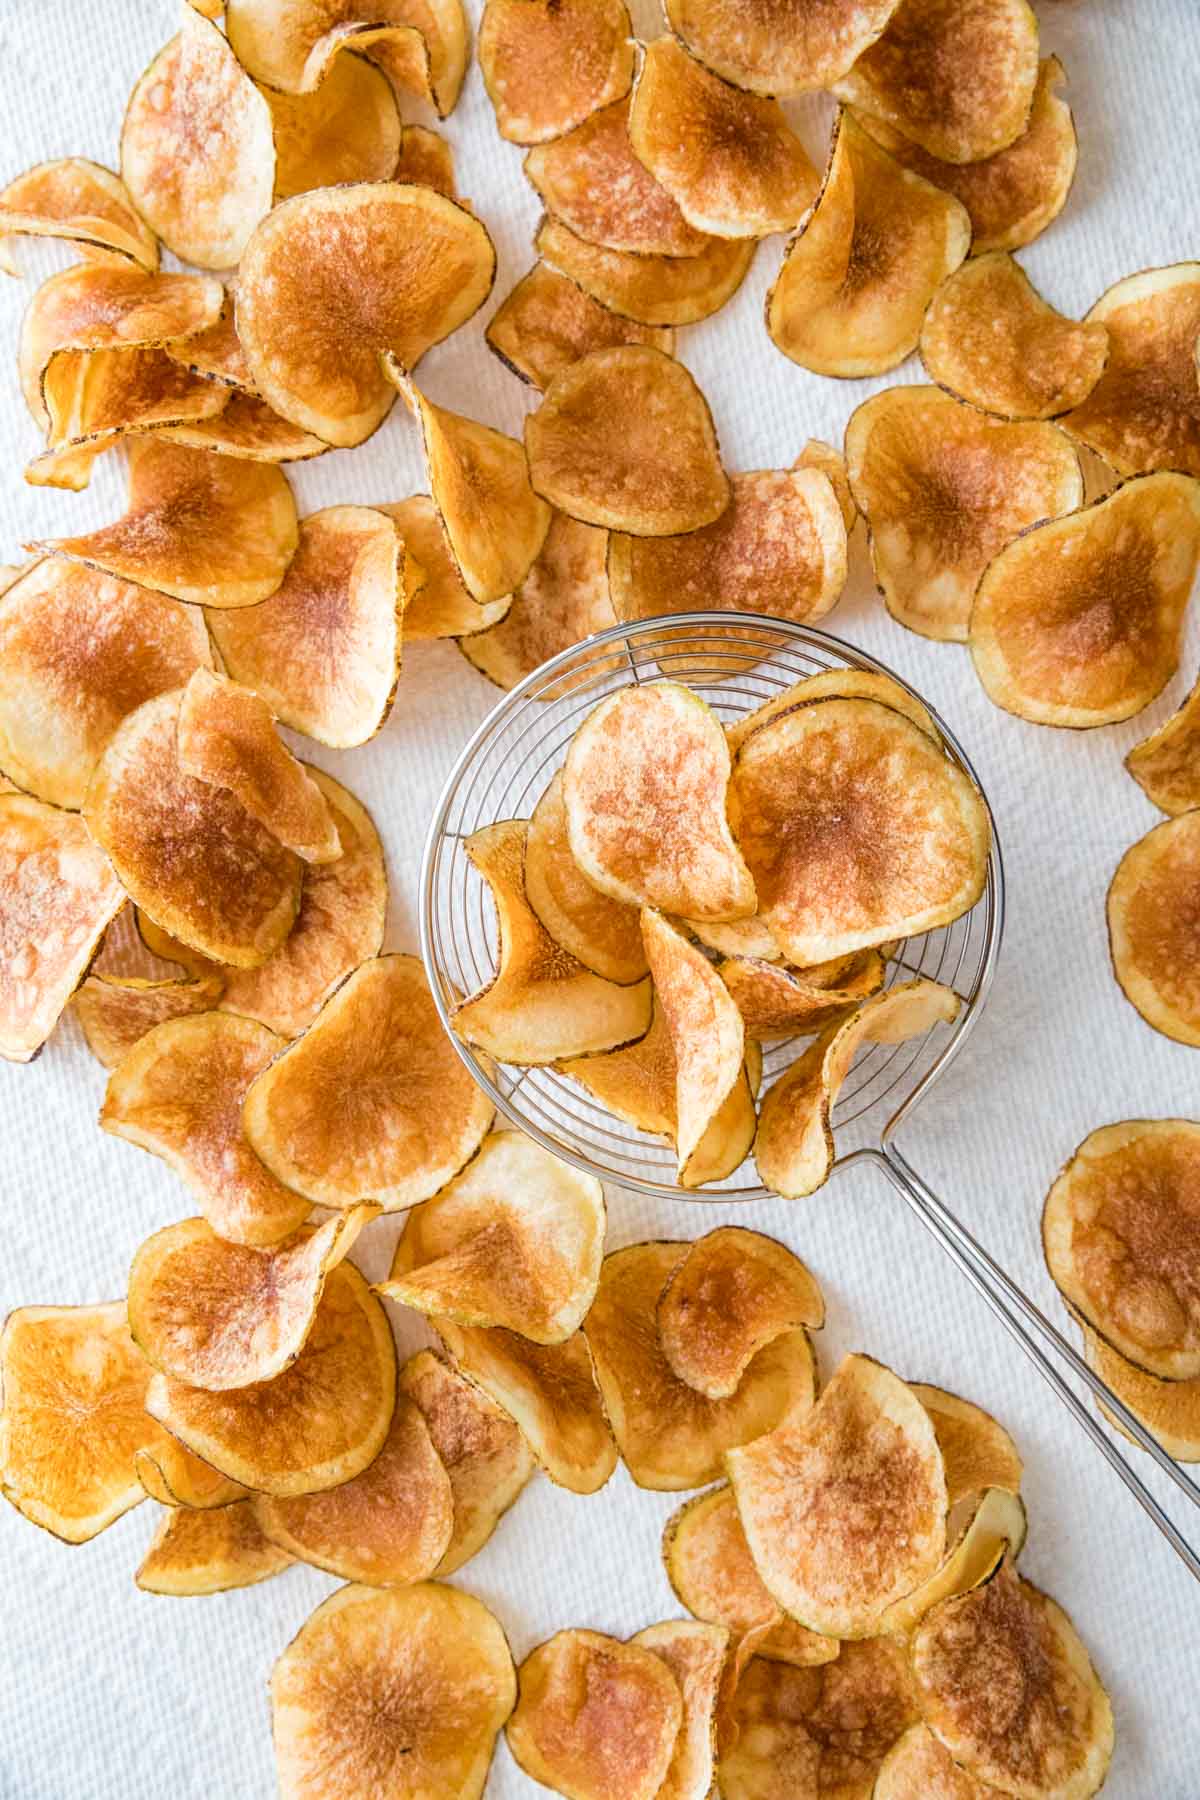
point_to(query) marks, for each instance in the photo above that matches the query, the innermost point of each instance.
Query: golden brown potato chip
(770, 48)
(593, 181)
(794, 1149)
(115, 1011)
(208, 1552)
(347, 129)
(402, 1692)
(334, 278)
(858, 684)
(604, 934)
(855, 827)
(624, 438)
(729, 159)
(217, 350)
(918, 1768)
(483, 1451)
(817, 454)
(425, 160)
(1169, 1409)
(170, 949)
(862, 1468)
(440, 606)
(548, 64)
(1144, 412)
(422, 45)
(670, 1436)
(976, 1450)
(1151, 913)
(779, 1002)
(547, 323)
(1048, 640)
(178, 1093)
(595, 1717)
(58, 896)
(541, 1005)
(550, 1390)
(943, 490)
(95, 397)
(695, 1655)
(859, 274)
(995, 1527)
(1054, 1735)
(1165, 765)
(734, 1292)
(81, 202)
(245, 427)
(654, 290)
(174, 1477)
(388, 1526)
(73, 1385)
(960, 84)
(705, 1029)
(562, 600)
(197, 155)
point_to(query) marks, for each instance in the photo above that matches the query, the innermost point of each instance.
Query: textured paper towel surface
(108, 1692)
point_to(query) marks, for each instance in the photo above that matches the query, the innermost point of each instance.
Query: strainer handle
(1007, 1300)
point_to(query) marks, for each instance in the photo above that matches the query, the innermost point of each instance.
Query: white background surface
(105, 1691)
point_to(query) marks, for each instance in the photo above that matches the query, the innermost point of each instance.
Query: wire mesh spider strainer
(502, 773)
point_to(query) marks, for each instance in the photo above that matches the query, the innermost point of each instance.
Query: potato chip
(388, 1526)
(976, 1450)
(245, 427)
(772, 49)
(347, 129)
(1054, 1735)
(316, 1425)
(595, 1717)
(324, 649)
(170, 949)
(695, 1655)
(334, 278)
(422, 45)
(480, 481)
(197, 154)
(1169, 1409)
(58, 896)
(73, 1388)
(402, 1692)
(959, 84)
(174, 1477)
(779, 1002)
(1151, 919)
(547, 323)
(541, 1005)
(209, 1552)
(994, 1529)
(710, 1568)
(116, 1011)
(855, 827)
(824, 1730)
(943, 490)
(918, 1768)
(705, 1027)
(856, 684)
(844, 1507)
(548, 64)
(734, 1292)
(794, 1149)
(604, 934)
(217, 351)
(178, 1093)
(735, 937)
(857, 277)
(550, 1390)
(670, 1436)
(95, 397)
(817, 454)
(425, 160)
(1165, 764)
(561, 601)
(81, 202)
(1144, 412)
(440, 606)
(482, 1449)
(593, 181)
(654, 290)
(1077, 623)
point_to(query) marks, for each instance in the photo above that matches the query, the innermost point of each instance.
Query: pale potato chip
(734, 1292)
(994, 1528)
(604, 934)
(769, 48)
(548, 64)
(347, 129)
(422, 45)
(654, 290)
(695, 1655)
(705, 1028)
(594, 182)
(116, 1011)
(1144, 412)
(81, 202)
(817, 454)
(561, 601)
(546, 323)
(209, 1552)
(1165, 765)
(977, 1451)
(776, 1001)
(1168, 1409)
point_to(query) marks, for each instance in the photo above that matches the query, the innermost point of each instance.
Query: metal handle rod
(981, 1271)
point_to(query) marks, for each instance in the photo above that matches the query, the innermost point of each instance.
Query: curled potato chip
(95, 397)
(794, 1149)
(778, 49)
(197, 154)
(863, 1466)
(174, 1477)
(209, 1552)
(1166, 765)
(1077, 623)
(178, 1093)
(706, 1032)
(516, 1240)
(440, 606)
(670, 1436)
(387, 1526)
(959, 84)
(855, 827)
(817, 454)
(1121, 1233)
(73, 1389)
(1169, 1409)
(995, 1529)
(654, 290)
(604, 934)
(695, 1655)
(857, 277)
(735, 937)
(324, 649)
(482, 1449)
(81, 202)
(595, 183)
(562, 600)
(217, 350)
(425, 160)
(1055, 1736)
(58, 894)
(373, 1101)
(1144, 412)
(734, 1292)
(170, 949)
(334, 278)
(856, 684)
(778, 1002)
(245, 427)
(728, 158)
(316, 1425)
(548, 65)
(976, 1450)
(404, 1690)
(422, 45)
(943, 490)
(115, 1011)
(595, 1717)
(547, 323)
(541, 1005)
(1151, 910)
(347, 129)
(918, 1768)
(624, 438)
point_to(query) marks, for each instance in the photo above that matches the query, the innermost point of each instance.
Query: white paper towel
(108, 1692)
